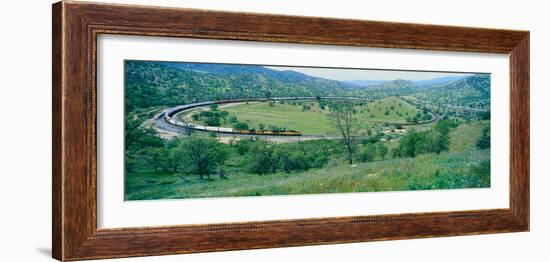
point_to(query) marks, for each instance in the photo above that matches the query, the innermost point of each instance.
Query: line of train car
(269, 132)
(170, 113)
(229, 130)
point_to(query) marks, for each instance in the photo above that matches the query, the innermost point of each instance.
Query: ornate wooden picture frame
(76, 26)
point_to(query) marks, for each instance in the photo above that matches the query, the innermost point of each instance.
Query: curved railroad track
(167, 121)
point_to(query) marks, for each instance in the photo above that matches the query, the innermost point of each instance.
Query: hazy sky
(364, 74)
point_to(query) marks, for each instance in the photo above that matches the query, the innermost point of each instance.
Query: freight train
(170, 113)
(169, 117)
(229, 130)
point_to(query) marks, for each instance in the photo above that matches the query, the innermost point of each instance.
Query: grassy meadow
(463, 166)
(310, 117)
(397, 111)
(287, 115)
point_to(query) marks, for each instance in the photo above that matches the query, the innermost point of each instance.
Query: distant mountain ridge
(167, 83)
(365, 83)
(480, 83)
(397, 87)
(427, 82)
(237, 69)
(294, 76)
(395, 84)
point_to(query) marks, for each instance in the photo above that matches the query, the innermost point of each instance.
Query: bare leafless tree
(343, 118)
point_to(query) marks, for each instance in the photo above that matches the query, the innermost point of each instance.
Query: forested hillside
(397, 87)
(472, 92)
(154, 83)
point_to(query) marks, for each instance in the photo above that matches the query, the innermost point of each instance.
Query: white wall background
(25, 94)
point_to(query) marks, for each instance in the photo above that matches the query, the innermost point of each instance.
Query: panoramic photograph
(198, 130)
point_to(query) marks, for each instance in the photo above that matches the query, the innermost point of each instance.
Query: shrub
(261, 159)
(382, 150)
(396, 153)
(291, 159)
(367, 154)
(240, 126)
(412, 143)
(243, 146)
(202, 155)
(212, 121)
(485, 141)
